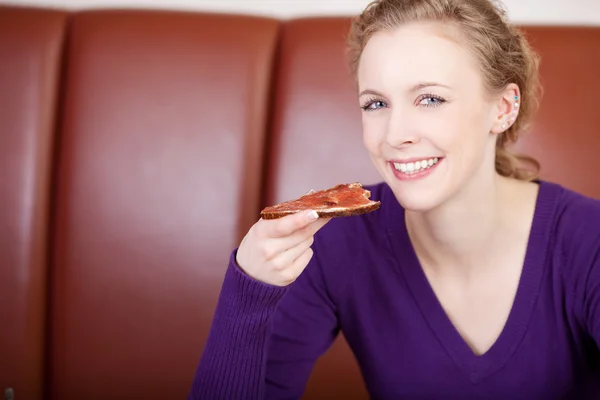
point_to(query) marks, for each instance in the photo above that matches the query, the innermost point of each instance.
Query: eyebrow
(371, 92)
(413, 88)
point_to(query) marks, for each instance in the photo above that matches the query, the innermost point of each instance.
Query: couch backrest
(120, 221)
(31, 45)
(159, 173)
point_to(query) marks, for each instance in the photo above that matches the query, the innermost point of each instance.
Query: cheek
(444, 127)
(467, 139)
(373, 132)
(461, 131)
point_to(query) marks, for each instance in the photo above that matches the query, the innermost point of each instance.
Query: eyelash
(440, 100)
(369, 102)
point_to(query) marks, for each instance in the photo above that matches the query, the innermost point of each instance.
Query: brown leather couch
(136, 149)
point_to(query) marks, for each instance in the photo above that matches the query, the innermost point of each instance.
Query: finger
(287, 225)
(299, 236)
(318, 224)
(301, 262)
(287, 258)
(291, 273)
(273, 247)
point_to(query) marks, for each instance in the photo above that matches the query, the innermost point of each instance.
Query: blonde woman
(473, 280)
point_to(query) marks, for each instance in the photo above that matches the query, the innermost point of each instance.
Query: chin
(415, 199)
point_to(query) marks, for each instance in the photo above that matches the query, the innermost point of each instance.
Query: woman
(473, 280)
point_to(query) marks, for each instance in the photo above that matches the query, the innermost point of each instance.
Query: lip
(413, 159)
(416, 175)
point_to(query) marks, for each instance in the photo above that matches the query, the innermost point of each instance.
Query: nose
(400, 132)
(401, 141)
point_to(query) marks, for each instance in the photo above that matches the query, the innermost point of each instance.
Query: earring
(512, 117)
(515, 111)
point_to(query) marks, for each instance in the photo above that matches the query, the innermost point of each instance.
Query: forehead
(418, 52)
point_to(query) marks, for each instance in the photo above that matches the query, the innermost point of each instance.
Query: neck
(459, 234)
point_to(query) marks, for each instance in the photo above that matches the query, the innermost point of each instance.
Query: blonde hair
(502, 51)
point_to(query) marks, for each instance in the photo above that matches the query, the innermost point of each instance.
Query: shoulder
(575, 231)
(576, 252)
(576, 217)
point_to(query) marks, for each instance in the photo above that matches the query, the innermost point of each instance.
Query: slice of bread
(342, 200)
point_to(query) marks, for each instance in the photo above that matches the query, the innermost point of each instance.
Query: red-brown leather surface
(160, 163)
(31, 44)
(565, 136)
(160, 173)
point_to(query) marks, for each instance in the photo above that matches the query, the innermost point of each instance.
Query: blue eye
(372, 105)
(430, 100)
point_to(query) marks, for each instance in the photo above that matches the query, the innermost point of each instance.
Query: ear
(507, 108)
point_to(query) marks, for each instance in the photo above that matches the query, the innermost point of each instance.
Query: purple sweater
(365, 280)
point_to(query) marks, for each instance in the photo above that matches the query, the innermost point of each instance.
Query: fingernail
(312, 215)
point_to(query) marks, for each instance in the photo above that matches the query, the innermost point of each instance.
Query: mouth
(415, 168)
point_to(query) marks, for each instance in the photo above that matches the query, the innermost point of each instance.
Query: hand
(277, 251)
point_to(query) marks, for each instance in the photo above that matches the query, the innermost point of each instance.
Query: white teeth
(412, 167)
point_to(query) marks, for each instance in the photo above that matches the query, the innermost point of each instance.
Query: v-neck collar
(477, 367)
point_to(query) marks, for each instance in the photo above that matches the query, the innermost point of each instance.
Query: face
(427, 120)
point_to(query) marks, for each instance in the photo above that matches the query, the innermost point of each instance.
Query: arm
(304, 327)
(264, 340)
(232, 360)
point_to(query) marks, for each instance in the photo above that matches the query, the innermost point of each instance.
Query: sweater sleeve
(264, 340)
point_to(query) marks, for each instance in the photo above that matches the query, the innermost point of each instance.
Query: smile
(414, 169)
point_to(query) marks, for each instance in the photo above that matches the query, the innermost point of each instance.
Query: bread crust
(335, 211)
